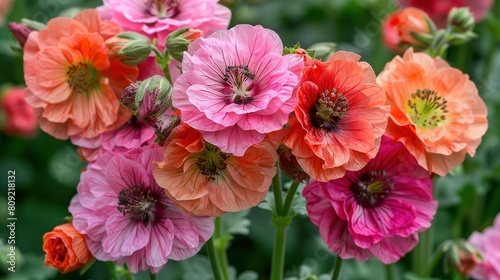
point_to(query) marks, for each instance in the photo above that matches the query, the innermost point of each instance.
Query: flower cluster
(182, 120)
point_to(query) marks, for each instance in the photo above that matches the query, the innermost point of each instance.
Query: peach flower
(65, 249)
(436, 111)
(72, 84)
(204, 181)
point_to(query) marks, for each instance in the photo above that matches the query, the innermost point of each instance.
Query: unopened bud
(462, 256)
(289, 165)
(306, 55)
(179, 40)
(20, 31)
(164, 126)
(130, 47)
(154, 97)
(129, 95)
(461, 20)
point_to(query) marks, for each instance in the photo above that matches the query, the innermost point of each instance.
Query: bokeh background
(47, 170)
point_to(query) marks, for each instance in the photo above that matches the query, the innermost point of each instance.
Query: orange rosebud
(403, 27)
(65, 249)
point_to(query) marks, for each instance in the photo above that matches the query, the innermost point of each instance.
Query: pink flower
(159, 18)
(376, 211)
(438, 10)
(16, 116)
(127, 217)
(237, 86)
(135, 133)
(487, 243)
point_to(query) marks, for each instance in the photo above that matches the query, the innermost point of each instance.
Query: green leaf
(268, 203)
(248, 275)
(32, 269)
(236, 223)
(198, 267)
(411, 276)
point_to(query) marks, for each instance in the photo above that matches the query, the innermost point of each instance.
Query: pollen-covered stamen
(427, 109)
(239, 84)
(330, 108)
(372, 188)
(139, 204)
(162, 8)
(211, 161)
(82, 78)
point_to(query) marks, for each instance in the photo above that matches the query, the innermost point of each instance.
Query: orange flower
(204, 181)
(65, 249)
(340, 117)
(436, 111)
(399, 26)
(72, 84)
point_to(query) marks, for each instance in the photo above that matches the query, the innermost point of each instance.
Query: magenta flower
(127, 217)
(159, 18)
(376, 211)
(237, 86)
(135, 133)
(487, 243)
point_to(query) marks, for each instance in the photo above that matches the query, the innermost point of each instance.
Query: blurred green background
(47, 170)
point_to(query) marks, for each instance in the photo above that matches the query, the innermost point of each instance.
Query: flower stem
(278, 195)
(220, 247)
(289, 197)
(112, 270)
(337, 268)
(213, 259)
(152, 276)
(427, 270)
(278, 253)
(389, 275)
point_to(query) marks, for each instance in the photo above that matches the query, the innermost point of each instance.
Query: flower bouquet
(187, 124)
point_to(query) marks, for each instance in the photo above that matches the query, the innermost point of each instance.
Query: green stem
(389, 274)
(289, 197)
(152, 276)
(487, 67)
(220, 248)
(337, 268)
(112, 270)
(438, 254)
(278, 195)
(213, 259)
(278, 253)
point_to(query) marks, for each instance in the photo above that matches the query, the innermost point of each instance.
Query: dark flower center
(211, 161)
(330, 109)
(162, 8)
(426, 108)
(139, 204)
(239, 84)
(82, 78)
(372, 188)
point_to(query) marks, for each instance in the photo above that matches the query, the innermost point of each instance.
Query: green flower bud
(461, 20)
(130, 47)
(179, 40)
(154, 97)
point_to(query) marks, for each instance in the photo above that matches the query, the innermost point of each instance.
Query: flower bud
(409, 27)
(128, 96)
(154, 97)
(289, 165)
(462, 256)
(461, 20)
(164, 126)
(178, 41)
(305, 55)
(16, 116)
(130, 47)
(20, 31)
(65, 249)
